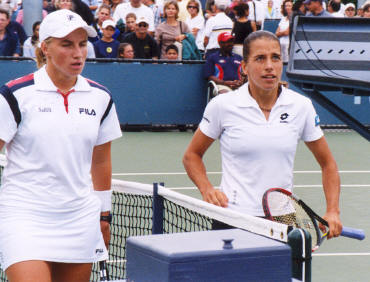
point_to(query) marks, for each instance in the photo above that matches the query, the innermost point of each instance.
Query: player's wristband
(107, 218)
(105, 197)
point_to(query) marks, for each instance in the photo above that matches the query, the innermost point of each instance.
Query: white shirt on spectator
(143, 11)
(216, 25)
(197, 22)
(28, 48)
(260, 12)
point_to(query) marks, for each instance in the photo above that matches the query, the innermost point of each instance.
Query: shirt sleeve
(8, 124)
(209, 68)
(311, 130)
(109, 128)
(210, 124)
(208, 28)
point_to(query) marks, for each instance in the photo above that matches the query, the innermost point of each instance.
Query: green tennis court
(149, 157)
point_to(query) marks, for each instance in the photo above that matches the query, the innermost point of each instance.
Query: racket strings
(286, 210)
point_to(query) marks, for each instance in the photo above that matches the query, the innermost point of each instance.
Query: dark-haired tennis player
(259, 126)
(57, 127)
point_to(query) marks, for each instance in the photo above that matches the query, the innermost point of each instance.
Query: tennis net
(138, 211)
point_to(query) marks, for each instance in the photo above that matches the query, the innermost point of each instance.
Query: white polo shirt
(258, 154)
(143, 11)
(216, 25)
(49, 150)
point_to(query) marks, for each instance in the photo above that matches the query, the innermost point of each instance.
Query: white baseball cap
(142, 20)
(60, 23)
(107, 23)
(349, 5)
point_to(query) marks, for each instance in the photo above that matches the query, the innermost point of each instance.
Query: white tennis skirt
(69, 237)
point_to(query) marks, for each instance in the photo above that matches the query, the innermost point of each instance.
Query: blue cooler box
(207, 256)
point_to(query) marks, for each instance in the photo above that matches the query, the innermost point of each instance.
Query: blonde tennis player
(57, 128)
(259, 126)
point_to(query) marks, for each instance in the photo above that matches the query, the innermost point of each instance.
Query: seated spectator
(172, 30)
(223, 66)
(114, 4)
(145, 47)
(136, 7)
(9, 41)
(242, 27)
(271, 11)
(64, 4)
(130, 26)
(172, 52)
(103, 13)
(90, 50)
(125, 51)
(19, 17)
(196, 23)
(316, 8)
(31, 43)
(9, 5)
(92, 4)
(350, 10)
(366, 10)
(334, 9)
(107, 47)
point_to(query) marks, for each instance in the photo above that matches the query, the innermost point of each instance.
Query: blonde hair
(57, 3)
(40, 56)
(171, 2)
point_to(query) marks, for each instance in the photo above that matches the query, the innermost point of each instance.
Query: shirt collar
(245, 99)
(44, 83)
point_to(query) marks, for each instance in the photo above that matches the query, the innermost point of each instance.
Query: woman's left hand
(105, 230)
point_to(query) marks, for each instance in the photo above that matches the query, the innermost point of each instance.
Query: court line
(295, 186)
(217, 172)
(340, 254)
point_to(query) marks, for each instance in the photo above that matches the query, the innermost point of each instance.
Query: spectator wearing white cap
(350, 10)
(216, 25)
(145, 47)
(107, 46)
(57, 127)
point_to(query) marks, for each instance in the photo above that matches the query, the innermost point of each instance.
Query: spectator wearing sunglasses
(145, 47)
(196, 23)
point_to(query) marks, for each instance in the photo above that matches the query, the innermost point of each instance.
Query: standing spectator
(196, 23)
(125, 51)
(107, 47)
(215, 26)
(282, 31)
(350, 10)
(366, 10)
(223, 67)
(9, 41)
(172, 30)
(271, 11)
(299, 9)
(316, 9)
(136, 7)
(31, 43)
(242, 27)
(157, 11)
(145, 47)
(172, 53)
(257, 13)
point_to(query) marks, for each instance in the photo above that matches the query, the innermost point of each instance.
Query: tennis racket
(282, 206)
(104, 276)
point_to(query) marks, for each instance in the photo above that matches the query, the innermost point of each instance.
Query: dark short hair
(6, 12)
(172, 47)
(366, 7)
(253, 37)
(122, 47)
(241, 9)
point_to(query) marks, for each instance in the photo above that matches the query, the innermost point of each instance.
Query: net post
(299, 241)
(157, 226)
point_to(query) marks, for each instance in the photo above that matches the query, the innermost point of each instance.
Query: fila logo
(70, 17)
(87, 111)
(99, 251)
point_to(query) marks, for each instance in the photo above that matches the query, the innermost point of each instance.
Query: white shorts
(69, 237)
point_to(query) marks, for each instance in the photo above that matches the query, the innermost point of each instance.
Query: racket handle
(353, 233)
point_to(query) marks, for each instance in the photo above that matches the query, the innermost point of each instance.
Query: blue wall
(167, 94)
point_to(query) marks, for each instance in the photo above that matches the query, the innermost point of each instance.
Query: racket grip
(353, 233)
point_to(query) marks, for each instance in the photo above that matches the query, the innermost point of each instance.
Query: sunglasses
(142, 25)
(192, 7)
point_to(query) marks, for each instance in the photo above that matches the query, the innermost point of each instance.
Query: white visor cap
(60, 23)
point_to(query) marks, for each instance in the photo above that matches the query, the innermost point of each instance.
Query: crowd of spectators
(148, 27)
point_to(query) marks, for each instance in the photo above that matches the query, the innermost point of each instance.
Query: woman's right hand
(216, 197)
